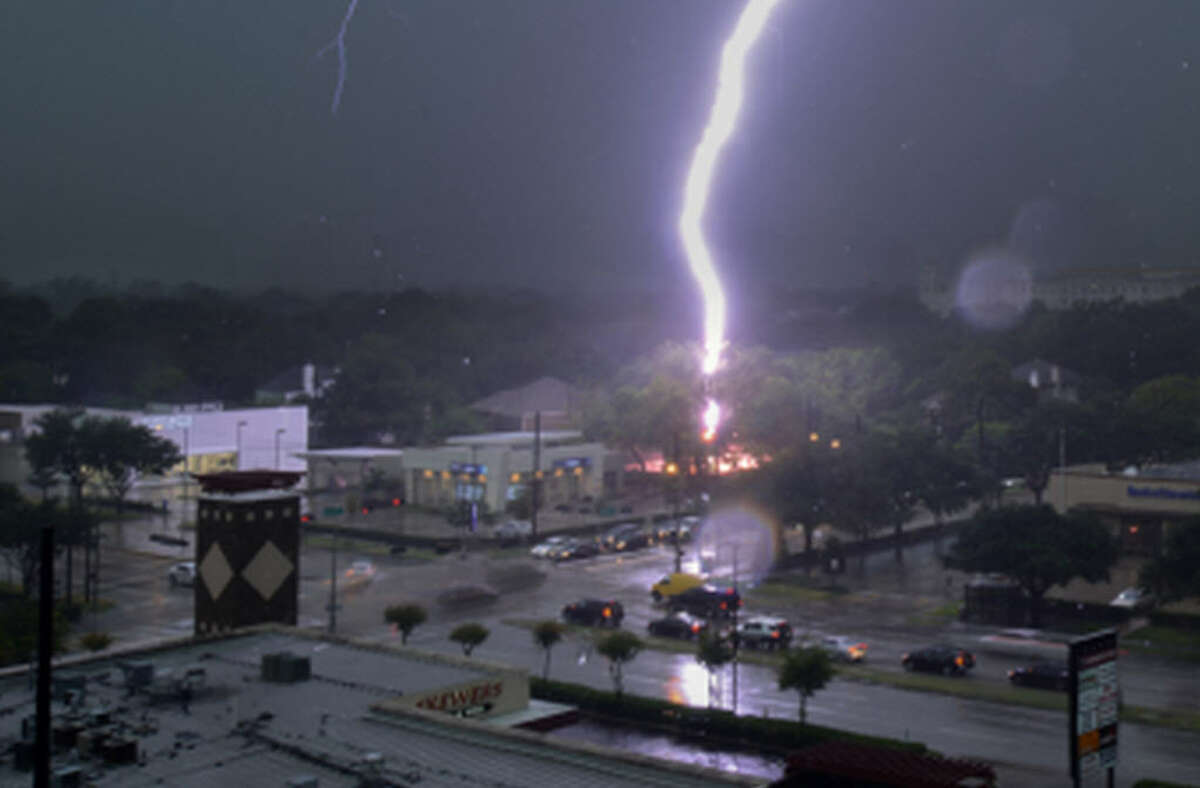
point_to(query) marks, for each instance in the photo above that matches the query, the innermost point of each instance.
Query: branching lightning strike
(339, 41)
(720, 127)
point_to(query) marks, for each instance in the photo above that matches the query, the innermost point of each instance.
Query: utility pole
(735, 629)
(41, 745)
(535, 491)
(333, 586)
(1062, 466)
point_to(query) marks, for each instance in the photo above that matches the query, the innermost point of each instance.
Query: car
(843, 649)
(1133, 599)
(513, 530)
(673, 584)
(947, 660)
(556, 551)
(618, 537)
(764, 632)
(707, 601)
(1042, 675)
(678, 625)
(361, 571)
(182, 574)
(594, 612)
(543, 549)
(576, 549)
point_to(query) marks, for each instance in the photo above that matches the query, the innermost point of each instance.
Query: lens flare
(721, 122)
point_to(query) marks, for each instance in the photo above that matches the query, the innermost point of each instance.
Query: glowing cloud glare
(720, 126)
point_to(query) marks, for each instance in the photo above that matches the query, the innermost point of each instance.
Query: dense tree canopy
(1037, 547)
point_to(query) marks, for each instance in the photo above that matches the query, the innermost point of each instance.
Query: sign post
(1094, 705)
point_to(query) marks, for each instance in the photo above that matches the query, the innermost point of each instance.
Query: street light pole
(278, 433)
(735, 629)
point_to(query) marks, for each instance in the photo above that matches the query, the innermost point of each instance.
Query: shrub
(406, 618)
(96, 641)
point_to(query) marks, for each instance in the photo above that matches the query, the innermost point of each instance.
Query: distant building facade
(1141, 508)
(209, 438)
(1069, 288)
(490, 468)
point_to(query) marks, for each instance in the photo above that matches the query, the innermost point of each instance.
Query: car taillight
(775, 635)
(958, 660)
(695, 627)
(608, 612)
(724, 606)
(729, 591)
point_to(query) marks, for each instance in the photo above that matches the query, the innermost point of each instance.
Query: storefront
(1141, 509)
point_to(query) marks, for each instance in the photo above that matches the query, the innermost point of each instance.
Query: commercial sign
(469, 468)
(1094, 703)
(1162, 492)
(571, 463)
(476, 698)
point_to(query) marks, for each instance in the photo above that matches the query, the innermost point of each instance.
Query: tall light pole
(238, 457)
(278, 433)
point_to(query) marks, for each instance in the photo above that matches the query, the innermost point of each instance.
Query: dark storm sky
(528, 142)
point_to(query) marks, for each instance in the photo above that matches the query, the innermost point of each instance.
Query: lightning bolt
(339, 41)
(721, 123)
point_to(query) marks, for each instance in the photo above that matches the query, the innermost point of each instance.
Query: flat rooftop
(344, 724)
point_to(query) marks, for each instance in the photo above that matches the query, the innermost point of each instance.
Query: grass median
(959, 687)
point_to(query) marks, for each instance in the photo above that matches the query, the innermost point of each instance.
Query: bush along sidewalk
(758, 733)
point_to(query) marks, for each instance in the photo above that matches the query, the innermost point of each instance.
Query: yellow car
(673, 584)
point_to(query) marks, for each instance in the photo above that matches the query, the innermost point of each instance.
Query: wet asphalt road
(146, 609)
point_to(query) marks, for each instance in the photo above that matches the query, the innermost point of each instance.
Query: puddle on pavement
(671, 748)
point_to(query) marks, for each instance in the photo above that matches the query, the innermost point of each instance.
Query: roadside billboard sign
(1094, 703)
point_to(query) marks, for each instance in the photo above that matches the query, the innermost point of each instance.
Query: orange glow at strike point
(712, 417)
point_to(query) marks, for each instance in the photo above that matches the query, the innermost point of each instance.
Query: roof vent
(302, 781)
(285, 667)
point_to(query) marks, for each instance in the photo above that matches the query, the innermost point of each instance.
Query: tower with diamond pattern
(247, 550)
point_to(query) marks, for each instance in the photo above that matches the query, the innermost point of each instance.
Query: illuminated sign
(573, 462)
(1094, 703)
(1162, 492)
(468, 468)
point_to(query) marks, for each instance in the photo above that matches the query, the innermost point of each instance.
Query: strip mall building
(1141, 508)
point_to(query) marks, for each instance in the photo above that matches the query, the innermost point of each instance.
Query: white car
(1134, 599)
(182, 574)
(361, 571)
(843, 649)
(513, 529)
(544, 549)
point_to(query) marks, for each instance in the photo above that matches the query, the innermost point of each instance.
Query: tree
(1176, 573)
(1037, 547)
(547, 634)
(406, 618)
(619, 648)
(119, 450)
(713, 653)
(1036, 441)
(805, 670)
(58, 446)
(469, 636)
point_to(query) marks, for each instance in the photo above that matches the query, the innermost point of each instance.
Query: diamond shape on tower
(267, 571)
(215, 571)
